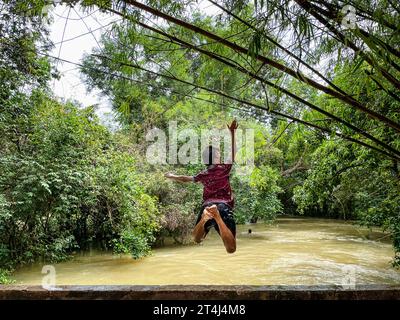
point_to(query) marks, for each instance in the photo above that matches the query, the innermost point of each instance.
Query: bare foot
(206, 215)
(212, 211)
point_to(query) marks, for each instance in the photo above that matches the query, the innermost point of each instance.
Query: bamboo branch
(266, 36)
(299, 76)
(347, 42)
(242, 101)
(283, 90)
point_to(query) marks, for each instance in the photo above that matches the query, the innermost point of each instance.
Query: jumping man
(218, 201)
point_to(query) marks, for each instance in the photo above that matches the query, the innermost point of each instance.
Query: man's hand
(233, 126)
(169, 175)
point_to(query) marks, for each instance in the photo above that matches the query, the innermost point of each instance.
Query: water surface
(292, 251)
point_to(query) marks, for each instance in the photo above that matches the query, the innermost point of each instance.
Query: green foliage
(70, 184)
(132, 242)
(66, 182)
(298, 170)
(257, 197)
(321, 186)
(5, 276)
(177, 203)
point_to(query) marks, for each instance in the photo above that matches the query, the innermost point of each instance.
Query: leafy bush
(257, 196)
(132, 242)
(5, 276)
(176, 202)
(70, 184)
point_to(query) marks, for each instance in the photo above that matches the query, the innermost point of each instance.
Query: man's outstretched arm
(179, 178)
(232, 127)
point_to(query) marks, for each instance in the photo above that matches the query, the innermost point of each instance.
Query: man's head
(211, 155)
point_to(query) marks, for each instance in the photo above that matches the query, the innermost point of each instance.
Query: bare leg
(226, 234)
(198, 231)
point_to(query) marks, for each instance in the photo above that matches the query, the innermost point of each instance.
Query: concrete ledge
(199, 292)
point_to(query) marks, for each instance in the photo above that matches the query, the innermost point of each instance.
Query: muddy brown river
(291, 251)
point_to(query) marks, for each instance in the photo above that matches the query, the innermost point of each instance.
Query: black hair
(209, 154)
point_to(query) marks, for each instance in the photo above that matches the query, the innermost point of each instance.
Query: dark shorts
(226, 214)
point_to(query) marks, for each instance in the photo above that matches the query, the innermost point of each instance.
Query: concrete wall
(201, 292)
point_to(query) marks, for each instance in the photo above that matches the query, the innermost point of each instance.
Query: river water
(292, 251)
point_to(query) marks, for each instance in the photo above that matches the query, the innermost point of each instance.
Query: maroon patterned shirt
(216, 184)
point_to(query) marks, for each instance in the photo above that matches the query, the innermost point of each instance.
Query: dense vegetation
(68, 182)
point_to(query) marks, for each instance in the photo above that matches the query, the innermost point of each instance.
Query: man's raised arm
(232, 127)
